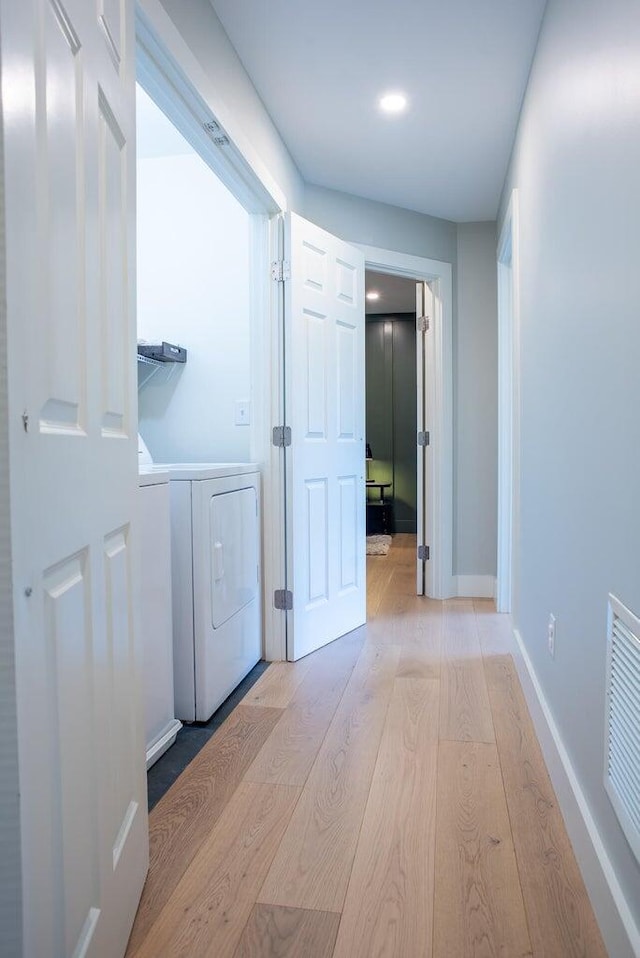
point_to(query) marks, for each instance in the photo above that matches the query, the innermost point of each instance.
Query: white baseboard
(617, 923)
(475, 586)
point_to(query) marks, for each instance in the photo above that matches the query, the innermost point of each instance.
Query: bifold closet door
(68, 107)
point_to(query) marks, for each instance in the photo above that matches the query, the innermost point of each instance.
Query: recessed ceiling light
(373, 295)
(393, 103)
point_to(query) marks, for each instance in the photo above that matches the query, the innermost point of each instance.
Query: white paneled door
(324, 401)
(68, 126)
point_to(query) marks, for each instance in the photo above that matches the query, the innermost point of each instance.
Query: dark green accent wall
(391, 410)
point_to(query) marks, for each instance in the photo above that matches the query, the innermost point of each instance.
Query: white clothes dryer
(216, 582)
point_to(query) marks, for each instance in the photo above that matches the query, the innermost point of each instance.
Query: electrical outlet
(551, 635)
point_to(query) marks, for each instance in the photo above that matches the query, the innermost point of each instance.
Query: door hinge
(280, 270)
(423, 553)
(424, 438)
(281, 436)
(423, 323)
(283, 600)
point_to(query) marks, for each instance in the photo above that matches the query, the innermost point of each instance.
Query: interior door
(68, 107)
(424, 330)
(324, 406)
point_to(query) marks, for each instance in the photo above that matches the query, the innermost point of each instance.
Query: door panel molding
(79, 707)
(324, 402)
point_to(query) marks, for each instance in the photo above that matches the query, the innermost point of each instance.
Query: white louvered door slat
(627, 771)
(622, 756)
(625, 785)
(622, 742)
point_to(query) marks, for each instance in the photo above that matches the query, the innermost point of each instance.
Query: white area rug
(378, 545)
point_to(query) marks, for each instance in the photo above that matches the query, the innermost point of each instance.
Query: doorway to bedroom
(391, 412)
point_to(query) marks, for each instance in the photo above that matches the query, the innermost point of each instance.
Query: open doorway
(178, 86)
(391, 412)
(199, 492)
(431, 281)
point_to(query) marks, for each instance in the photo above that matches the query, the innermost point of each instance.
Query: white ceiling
(320, 67)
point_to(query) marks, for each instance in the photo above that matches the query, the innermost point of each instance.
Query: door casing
(508, 407)
(438, 382)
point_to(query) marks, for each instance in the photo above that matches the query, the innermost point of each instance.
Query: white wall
(193, 289)
(476, 402)
(576, 165)
(359, 220)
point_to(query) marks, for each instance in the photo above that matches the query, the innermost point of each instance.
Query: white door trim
(274, 552)
(172, 76)
(508, 406)
(423, 296)
(439, 581)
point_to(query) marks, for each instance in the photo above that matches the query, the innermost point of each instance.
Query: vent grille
(622, 759)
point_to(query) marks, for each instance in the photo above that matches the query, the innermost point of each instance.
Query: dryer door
(233, 537)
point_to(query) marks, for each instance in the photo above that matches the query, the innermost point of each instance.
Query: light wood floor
(383, 797)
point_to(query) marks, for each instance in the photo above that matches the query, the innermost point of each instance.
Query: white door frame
(423, 308)
(172, 76)
(508, 405)
(439, 579)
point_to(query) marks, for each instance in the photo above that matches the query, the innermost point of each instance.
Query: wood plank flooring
(478, 903)
(384, 798)
(312, 866)
(388, 909)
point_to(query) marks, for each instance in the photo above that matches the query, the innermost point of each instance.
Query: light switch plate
(243, 412)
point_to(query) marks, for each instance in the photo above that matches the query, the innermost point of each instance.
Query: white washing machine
(215, 568)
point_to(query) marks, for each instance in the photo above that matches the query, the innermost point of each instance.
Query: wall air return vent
(622, 733)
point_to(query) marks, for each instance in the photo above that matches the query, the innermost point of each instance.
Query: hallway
(385, 796)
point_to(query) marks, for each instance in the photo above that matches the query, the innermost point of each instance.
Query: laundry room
(199, 495)
(193, 290)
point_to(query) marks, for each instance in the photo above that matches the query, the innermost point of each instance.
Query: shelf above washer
(146, 361)
(146, 369)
